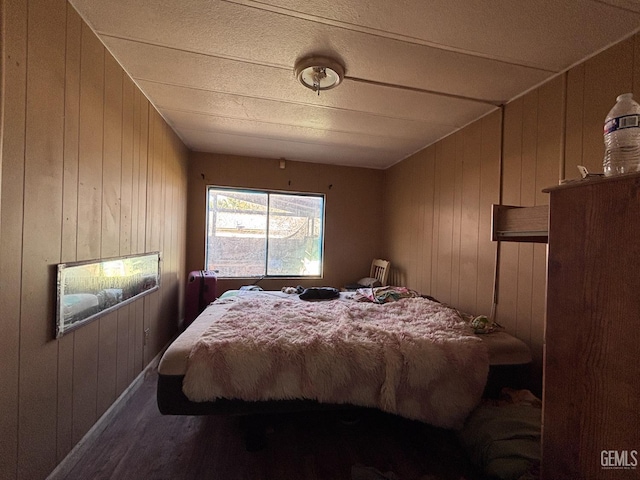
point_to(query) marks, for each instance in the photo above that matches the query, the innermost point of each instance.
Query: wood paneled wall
(532, 156)
(439, 200)
(353, 210)
(592, 88)
(437, 216)
(89, 170)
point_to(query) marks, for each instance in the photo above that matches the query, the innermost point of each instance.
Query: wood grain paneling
(548, 162)
(14, 41)
(143, 159)
(123, 373)
(111, 158)
(69, 220)
(74, 187)
(597, 83)
(71, 135)
(443, 234)
(532, 155)
(529, 143)
(511, 180)
(574, 116)
(489, 193)
(547, 132)
(90, 147)
(126, 178)
(110, 225)
(471, 138)
(43, 174)
(457, 221)
(426, 184)
(85, 379)
(107, 362)
(466, 179)
(397, 219)
(434, 204)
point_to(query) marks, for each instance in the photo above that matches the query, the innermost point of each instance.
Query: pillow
(369, 282)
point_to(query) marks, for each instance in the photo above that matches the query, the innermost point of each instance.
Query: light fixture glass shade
(319, 73)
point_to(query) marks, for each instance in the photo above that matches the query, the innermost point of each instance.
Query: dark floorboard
(141, 443)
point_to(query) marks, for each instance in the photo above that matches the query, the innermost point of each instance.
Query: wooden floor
(143, 444)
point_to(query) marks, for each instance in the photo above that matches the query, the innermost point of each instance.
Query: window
(254, 233)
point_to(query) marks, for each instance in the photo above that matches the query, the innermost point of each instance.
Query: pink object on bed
(413, 357)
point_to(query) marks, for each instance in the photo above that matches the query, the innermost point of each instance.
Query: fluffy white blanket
(413, 357)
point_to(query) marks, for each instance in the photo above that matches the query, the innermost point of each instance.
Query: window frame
(267, 192)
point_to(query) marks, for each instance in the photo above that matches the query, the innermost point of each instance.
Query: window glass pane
(237, 233)
(253, 234)
(295, 235)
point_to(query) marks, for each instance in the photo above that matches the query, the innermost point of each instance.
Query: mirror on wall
(88, 290)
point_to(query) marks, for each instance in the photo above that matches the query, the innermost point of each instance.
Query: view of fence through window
(253, 233)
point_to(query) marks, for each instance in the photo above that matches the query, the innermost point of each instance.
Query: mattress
(503, 350)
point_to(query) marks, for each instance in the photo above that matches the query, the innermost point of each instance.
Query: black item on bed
(320, 293)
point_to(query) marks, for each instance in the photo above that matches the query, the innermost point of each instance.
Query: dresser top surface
(581, 182)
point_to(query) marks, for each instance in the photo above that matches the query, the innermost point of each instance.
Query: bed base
(172, 401)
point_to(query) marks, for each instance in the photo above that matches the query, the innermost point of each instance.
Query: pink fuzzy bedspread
(413, 357)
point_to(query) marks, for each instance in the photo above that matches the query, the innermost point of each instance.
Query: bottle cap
(624, 96)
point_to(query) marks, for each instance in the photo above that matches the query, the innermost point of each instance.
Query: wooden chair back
(380, 270)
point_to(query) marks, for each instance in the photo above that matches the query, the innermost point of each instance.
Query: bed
(434, 370)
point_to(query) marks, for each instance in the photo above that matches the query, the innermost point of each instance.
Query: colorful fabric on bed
(412, 357)
(383, 294)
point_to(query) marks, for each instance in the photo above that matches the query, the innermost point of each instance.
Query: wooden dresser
(591, 414)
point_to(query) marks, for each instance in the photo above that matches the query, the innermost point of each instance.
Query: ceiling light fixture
(319, 73)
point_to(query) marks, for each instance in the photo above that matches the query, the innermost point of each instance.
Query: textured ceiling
(221, 71)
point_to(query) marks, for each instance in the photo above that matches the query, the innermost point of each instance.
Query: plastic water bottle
(622, 137)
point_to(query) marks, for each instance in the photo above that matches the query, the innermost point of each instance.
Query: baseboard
(63, 469)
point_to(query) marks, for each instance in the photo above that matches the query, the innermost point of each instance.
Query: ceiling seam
(288, 68)
(493, 103)
(293, 159)
(193, 52)
(338, 109)
(426, 123)
(579, 62)
(352, 27)
(618, 7)
(299, 142)
(231, 117)
(103, 33)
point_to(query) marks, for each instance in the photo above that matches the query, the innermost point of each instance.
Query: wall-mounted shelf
(511, 223)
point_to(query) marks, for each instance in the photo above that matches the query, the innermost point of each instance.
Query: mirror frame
(89, 290)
